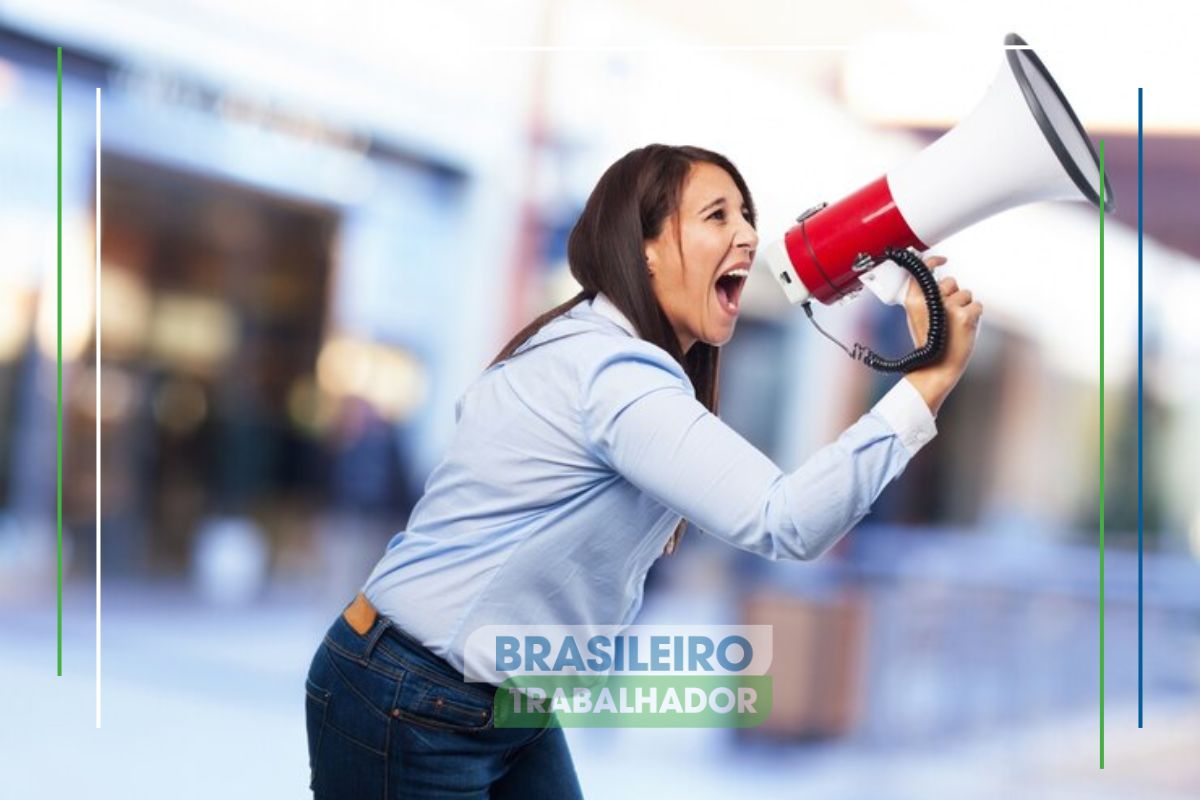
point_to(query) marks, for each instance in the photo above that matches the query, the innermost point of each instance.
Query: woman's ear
(649, 257)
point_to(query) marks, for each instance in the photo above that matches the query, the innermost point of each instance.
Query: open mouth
(729, 289)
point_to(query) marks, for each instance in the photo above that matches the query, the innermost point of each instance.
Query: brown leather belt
(360, 615)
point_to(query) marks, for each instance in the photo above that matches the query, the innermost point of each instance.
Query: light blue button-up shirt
(571, 465)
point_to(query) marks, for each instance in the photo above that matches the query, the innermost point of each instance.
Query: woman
(580, 454)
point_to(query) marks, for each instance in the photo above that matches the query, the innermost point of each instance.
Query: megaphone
(1021, 144)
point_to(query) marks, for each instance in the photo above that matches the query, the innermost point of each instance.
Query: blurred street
(319, 223)
(199, 703)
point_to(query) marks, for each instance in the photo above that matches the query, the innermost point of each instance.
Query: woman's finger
(968, 314)
(958, 301)
(934, 262)
(948, 286)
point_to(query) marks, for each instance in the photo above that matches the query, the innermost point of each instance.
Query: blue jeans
(388, 719)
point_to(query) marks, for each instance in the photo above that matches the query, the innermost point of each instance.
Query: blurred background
(321, 221)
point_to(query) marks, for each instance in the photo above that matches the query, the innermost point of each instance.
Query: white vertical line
(97, 238)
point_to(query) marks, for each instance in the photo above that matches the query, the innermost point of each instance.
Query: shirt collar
(605, 308)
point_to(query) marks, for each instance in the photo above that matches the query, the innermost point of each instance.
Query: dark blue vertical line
(1141, 509)
(58, 436)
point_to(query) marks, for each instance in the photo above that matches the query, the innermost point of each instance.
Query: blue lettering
(634, 664)
(569, 656)
(508, 653)
(723, 653)
(536, 650)
(696, 658)
(598, 646)
(660, 652)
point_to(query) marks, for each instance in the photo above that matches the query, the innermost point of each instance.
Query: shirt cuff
(905, 411)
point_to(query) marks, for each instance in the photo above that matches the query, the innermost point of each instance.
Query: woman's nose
(747, 237)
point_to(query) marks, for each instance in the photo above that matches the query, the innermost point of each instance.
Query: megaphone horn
(1022, 143)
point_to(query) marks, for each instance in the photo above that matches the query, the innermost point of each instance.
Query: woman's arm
(642, 420)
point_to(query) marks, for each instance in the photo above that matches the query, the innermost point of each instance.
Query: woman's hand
(914, 303)
(963, 312)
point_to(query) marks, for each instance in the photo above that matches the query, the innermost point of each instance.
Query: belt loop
(376, 633)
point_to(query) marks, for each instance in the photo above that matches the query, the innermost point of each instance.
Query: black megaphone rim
(1043, 121)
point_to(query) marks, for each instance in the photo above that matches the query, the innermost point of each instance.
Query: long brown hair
(606, 252)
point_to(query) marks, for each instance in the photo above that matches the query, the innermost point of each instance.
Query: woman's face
(700, 261)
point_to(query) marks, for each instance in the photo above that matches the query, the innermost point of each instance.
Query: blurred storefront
(279, 297)
(310, 247)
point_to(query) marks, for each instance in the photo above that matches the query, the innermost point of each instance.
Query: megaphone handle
(935, 341)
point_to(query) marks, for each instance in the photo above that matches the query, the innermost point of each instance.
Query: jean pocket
(362, 699)
(443, 704)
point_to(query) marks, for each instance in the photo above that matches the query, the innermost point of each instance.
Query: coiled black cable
(935, 342)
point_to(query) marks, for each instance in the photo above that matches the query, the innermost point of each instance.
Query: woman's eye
(718, 214)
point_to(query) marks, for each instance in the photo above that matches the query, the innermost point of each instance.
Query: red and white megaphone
(1021, 144)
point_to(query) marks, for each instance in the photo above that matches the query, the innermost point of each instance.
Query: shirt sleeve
(641, 419)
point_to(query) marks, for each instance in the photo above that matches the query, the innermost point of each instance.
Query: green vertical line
(58, 486)
(1101, 454)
